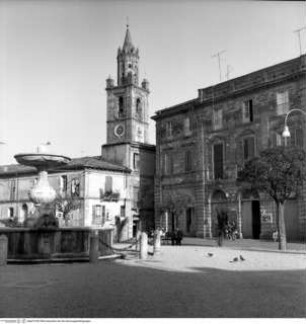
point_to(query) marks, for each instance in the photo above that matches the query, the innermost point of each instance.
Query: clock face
(119, 130)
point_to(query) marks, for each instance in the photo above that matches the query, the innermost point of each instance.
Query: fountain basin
(42, 160)
(51, 245)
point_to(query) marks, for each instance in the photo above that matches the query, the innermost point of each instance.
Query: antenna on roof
(298, 31)
(229, 69)
(218, 55)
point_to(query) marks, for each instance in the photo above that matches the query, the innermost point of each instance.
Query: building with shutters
(202, 144)
(115, 189)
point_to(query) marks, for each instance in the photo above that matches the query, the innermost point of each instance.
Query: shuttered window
(108, 184)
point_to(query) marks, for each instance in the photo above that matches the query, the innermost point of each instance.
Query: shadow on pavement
(114, 290)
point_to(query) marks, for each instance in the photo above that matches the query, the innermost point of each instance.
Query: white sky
(56, 55)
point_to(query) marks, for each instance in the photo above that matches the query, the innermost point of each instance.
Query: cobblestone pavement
(188, 281)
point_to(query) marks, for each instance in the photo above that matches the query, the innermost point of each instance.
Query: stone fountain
(42, 194)
(41, 239)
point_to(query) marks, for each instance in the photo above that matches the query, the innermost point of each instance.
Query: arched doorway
(218, 202)
(250, 214)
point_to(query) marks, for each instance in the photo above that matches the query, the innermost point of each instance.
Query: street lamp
(286, 132)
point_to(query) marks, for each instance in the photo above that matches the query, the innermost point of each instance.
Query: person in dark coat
(179, 236)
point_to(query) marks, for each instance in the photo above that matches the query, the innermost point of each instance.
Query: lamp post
(286, 132)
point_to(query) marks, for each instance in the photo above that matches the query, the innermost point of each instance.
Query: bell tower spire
(127, 61)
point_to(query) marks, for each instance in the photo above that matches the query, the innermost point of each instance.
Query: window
(248, 148)
(136, 161)
(188, 161)
(218, 161)
(63, 184)
(98, 215)
(75, 187)
(108, 184)
(169, 129)
(11, 212)
(282, 102)
(13, 189)
(187, 126)
(168, 164)
(247, 111)
(218, 116)
(135, 197)
(121, 107)
(138, 106)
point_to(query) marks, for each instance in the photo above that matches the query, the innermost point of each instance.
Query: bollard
(94, 247)
(157, 241)
(143, 246)
(3, 250)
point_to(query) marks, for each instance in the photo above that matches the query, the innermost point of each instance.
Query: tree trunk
(282, 240)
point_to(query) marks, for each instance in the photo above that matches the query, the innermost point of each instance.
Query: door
(256, 219)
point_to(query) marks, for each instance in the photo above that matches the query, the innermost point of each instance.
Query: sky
(56, 55)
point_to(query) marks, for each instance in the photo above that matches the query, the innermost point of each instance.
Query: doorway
(256, 219)
(188, 219)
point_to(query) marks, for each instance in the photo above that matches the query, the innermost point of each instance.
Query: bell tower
(127, 102)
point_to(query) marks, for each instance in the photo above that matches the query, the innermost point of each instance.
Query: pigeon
(242, 258)
(235, 260)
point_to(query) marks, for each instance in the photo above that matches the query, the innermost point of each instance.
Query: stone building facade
(202, 144)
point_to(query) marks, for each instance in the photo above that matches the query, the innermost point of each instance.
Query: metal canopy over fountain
(42, 194)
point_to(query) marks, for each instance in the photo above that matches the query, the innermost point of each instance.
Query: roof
(87, 162)
(241, 84)
(127, 45)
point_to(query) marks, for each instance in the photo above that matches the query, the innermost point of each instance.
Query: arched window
(138, 107)
(121, 107)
